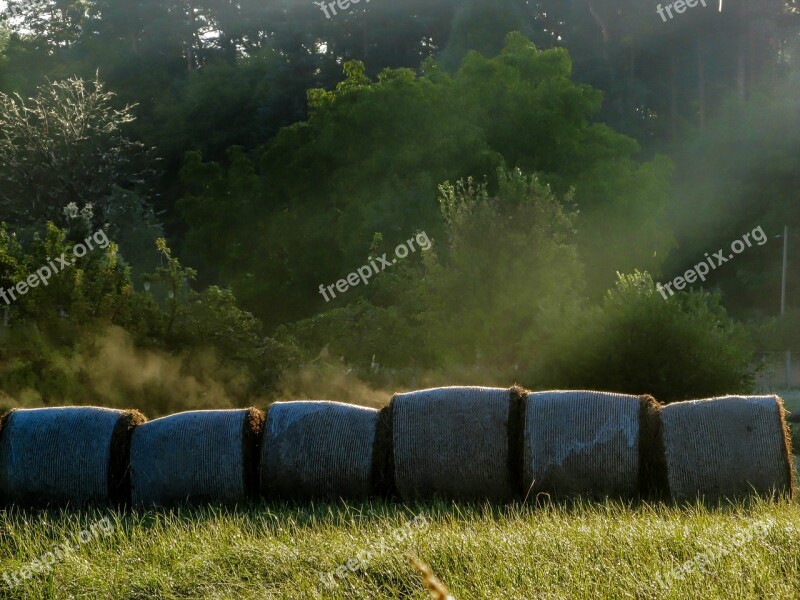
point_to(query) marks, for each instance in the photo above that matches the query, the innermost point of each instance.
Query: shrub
(636, 342)
(89, 337)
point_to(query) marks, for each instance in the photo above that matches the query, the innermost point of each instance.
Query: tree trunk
(741, 55)
(603, 30)
(673, 109)
(701, 83)
(364, 43)
(752, 58)
(741, 80)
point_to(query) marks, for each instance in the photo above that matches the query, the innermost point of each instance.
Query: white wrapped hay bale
(318, 450)
(459, 443)
(71, 455)
(583, 443)
(197, 457)
(727, 447)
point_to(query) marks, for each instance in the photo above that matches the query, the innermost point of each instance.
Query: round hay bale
(197, 457)
(70, 455)
(455, 443)
(318, 450)
(583, 443)
(727, 447)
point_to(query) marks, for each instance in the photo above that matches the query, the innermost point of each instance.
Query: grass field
(585, 550)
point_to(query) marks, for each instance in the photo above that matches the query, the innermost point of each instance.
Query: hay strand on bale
(196, 457)
(383, 455)
(252, 438)
(119, 464)
(70, 455)
(4, 498)
(582, 443)
(728, 447)
(516, 437)
(453, 443)
(788, 452)
(320, 450)
(653, 480)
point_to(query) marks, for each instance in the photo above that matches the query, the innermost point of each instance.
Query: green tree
(66, 145)
(488, 296)
(372, 153)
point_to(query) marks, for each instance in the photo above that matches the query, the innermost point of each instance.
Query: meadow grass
(578, 550)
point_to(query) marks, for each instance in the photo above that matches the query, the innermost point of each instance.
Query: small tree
(508, 275)
(66, 145)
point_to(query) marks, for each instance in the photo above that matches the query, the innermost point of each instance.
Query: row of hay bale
(454, 443)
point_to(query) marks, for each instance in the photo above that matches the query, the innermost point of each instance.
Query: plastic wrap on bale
(582, 443)
(197, 457)
(66, 456)
(318, 450)
(728, 447)
(459, 443)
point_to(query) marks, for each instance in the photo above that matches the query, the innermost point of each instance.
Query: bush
(89, 337)
(636, 342)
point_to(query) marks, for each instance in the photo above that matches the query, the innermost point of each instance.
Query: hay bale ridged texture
(582, 443)
(56, 456)
(318, 450)
(195, 457)
(727, 447)
(453, 443)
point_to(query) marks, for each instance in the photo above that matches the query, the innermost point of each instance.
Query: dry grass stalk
(429, 580)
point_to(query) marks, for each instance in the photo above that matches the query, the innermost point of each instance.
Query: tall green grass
(583, 550)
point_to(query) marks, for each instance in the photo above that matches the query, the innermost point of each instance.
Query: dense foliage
(541, 147)
(636, 342)
(69, 338)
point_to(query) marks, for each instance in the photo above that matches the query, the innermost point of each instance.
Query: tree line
(559, 154)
